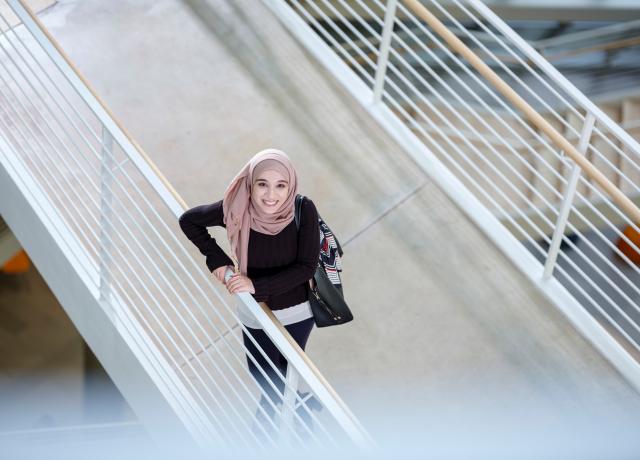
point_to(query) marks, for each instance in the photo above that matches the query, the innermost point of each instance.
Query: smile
(269, 203)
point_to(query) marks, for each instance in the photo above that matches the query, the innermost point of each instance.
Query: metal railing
(606, 38)
(121, 210)
(400, 78)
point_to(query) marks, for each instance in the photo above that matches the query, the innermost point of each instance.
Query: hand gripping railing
(123, 213)
(441, 101)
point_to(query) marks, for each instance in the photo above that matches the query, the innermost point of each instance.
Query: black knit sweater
(278, 265)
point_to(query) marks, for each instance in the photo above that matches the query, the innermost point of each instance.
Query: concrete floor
(442, 318)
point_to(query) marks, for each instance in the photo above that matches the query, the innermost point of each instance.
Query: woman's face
(269, 190)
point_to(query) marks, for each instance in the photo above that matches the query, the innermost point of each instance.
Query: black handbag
(325, 288)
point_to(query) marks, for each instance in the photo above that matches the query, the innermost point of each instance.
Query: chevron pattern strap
(329, 258)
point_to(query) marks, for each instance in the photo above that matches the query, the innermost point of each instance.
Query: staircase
(101, 224)
(544, 161)
(111, 254)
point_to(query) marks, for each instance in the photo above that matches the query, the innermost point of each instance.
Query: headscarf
(240, 215)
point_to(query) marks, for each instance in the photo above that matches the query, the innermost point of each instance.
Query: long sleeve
(304, 267)
(194, 223)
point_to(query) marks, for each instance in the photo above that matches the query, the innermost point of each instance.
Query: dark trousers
(299, 331)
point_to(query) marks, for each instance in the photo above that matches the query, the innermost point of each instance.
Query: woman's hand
(240, 283)
(220, 271)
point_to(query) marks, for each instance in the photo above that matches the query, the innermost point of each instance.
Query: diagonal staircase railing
(115, 218)
(425, 86)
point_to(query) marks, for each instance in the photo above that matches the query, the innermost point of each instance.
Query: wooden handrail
(529, 112)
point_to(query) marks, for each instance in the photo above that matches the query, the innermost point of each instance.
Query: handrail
(483, 183)
(618, 44)
(77, 80)
(566, 39)
(555, 75)
(530, 113)
(614, 100)
(318, 384)
(280, 336)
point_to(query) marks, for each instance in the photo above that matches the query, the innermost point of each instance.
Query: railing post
(385, 44)
(106, 181)
(567, 201)
(289, 398)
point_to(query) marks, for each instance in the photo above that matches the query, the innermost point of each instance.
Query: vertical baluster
(291, 388)
(567, 201)
(106, 181)
(383, 56)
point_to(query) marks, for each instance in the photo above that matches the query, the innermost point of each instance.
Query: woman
(275, 259)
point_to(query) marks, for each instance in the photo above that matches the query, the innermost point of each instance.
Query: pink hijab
(240, 215)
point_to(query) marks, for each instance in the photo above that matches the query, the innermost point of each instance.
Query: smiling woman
(275, 260)
(269, 190)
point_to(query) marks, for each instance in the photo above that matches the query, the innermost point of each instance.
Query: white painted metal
(592, 148)
(113, 306)
(499, 117)
(209, 422)
(69, 187)
(144, 379)
(464, 31)
(468, 109)
(336, 408)
(582, 36)
(96, 107)
(106, 217)
(63, 160)
(481, 118)
(603, 258)
(210, 402)
(556, 93)
(294, 15)
(552, 73)
(106, 236)
(7, 46)
(351, 60)
(289, 407)
(567, 201)
(383, 55)
(580, 252)
(542, 235)
(311, 376)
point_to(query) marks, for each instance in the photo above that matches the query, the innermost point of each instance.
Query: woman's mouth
(269, 203)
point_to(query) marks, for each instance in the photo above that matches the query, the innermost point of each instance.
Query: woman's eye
(261, 184)
(281, 185)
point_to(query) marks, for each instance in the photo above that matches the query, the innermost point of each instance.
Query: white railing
(432, 93)
(615, 36)
(115, 204)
